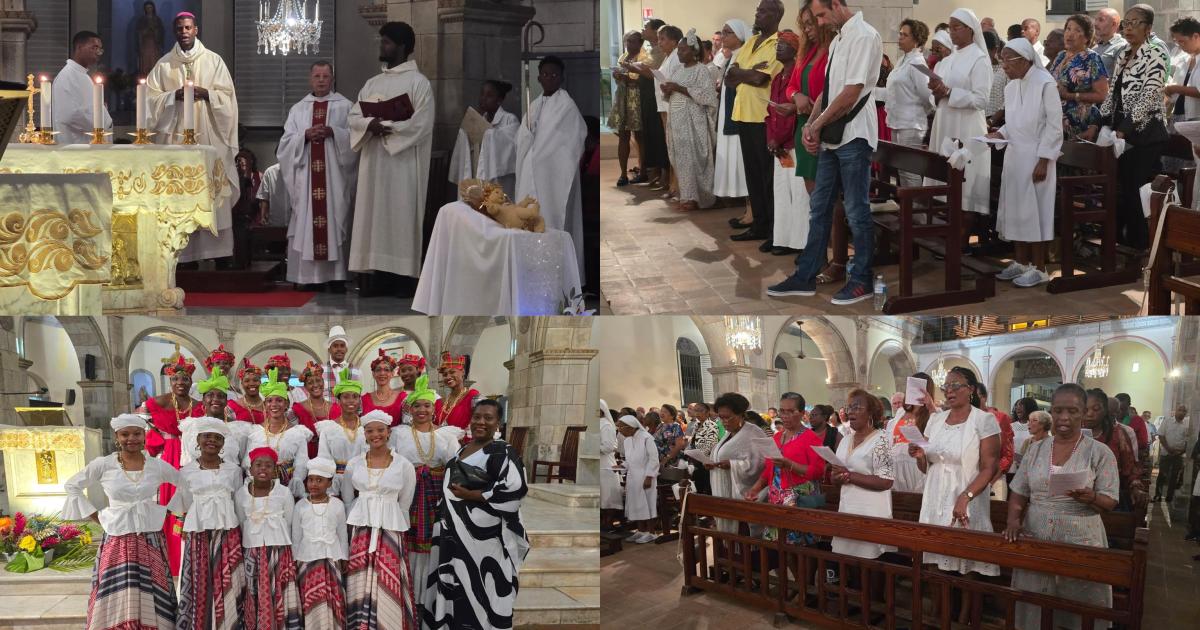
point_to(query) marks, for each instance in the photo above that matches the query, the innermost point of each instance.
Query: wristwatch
(970, 495)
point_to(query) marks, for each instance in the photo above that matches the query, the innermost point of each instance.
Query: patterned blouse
(1078, 75)
(996, 96)
(1139, 82)
(664, 438)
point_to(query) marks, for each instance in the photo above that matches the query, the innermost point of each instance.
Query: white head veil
(967, 16)
(1022, 47)
(943, 38)
(740, 29)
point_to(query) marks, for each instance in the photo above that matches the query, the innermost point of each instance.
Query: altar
(38, 460)
(161, 194)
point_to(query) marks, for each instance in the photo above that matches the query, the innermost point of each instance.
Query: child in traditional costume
(265, 508)
(290, 443)
(321, 548)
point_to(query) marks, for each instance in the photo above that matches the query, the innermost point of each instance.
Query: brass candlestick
(142, 136)
(98, 136)
(189, 136)
(30, 135)
(45, 136)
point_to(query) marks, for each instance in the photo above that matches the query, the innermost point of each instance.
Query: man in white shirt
(1032, 29)
(843, 162)
(272, 196)
(1185, 80)
(1172, 438)
(71, 100)
(338, 345)
(1109, 43)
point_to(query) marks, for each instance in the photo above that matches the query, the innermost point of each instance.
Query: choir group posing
(395, 519)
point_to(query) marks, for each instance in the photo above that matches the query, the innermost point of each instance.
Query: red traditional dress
(310, 421)
(395, 409)
(254, 414)
(455, 412)
(163, 441)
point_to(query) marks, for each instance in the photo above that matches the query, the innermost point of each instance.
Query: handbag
(832, 133)
(468, 476)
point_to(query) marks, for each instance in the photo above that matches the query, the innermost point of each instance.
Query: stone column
(753, 383)
(120, 373)
(16, 23)
(11, 375)
(98, 408)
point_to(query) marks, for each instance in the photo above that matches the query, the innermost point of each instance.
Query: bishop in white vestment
(215, 119)
(390, 205)
(71, 95)
(319, 169)
(549, 147)
(497, 159)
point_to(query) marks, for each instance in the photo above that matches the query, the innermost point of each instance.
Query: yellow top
(750, 105)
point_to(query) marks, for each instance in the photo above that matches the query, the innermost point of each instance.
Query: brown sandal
(833, 272)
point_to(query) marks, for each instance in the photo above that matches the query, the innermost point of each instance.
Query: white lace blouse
(133, 505)
(319, 531)
(206, 496)
(383, 494)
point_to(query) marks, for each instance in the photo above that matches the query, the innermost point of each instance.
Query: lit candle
(189, 110)
(316, 10)
(98, 103)
(141, 104)
(45, 103)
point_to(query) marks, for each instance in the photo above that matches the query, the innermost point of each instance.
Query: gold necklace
(262, 406)
(135, 478)
(427, 459)
(448, 409)
(324, 415)
(350, 433)
(375, 398)
(180, 414)
(200, 463)
(374, 475)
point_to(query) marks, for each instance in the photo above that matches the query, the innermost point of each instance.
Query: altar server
(265, 508)
(497, 160)
(641, 478)
(71, 98)
(215, 119)
(390, 205)
(212, 577)
(1033, 128)
(320, 547)
(289, 443)
(549, 147)
(341, 437)
(131, 581)
(319, 170)
(379, 590)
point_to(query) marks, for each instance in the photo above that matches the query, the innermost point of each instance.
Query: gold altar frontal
(161, 194)
(38, 460)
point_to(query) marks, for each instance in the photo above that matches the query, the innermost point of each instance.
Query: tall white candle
(316, 10)
(141, 104)
(46, 124)
(189, 110)
(98, 103)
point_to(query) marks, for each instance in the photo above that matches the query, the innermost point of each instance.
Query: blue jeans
(845, 170)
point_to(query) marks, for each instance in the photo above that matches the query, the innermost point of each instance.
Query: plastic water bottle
(880, 292)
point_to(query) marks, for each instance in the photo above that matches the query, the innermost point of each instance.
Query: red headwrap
(217, 356)
(311, 369)
(249, 368)
(384, 358)
(451, 362)
(264, 451)
(279, 360)
(414, 359)
(791, 38)
(182, 365)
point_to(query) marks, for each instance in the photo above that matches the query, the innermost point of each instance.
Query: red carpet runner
(280, 298)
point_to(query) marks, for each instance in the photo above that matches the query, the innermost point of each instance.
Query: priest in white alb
(215, 119)
(319, 170)
(71, 94)
(391, 126)
(549, 147)
(492, 154)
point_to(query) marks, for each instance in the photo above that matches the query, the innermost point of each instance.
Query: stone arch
(185, 340)
(283, 344)
(833, 346)
(899, 359)
(991, 379)
(97, 393)
(961, 357)
(38, 381)
(465, 331)
(359, 351)
(1162, 355)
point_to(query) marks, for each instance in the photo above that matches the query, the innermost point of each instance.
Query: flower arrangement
(37, 541)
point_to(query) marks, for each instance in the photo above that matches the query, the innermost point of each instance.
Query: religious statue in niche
(150, 33)
(47, 467)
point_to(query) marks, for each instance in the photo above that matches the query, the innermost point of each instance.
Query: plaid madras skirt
(131, 584)
(322, 598)
(272, 601)
(379, 592)
(212, 581)
(423, 513)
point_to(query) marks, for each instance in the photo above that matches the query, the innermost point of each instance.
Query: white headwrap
(631, 421)
(691, 38)
(967, 16)
(1037, 72)
(943, 38)
(740, 29)
(376, 415)
(208, 424)
(321, 467)
(127, 420)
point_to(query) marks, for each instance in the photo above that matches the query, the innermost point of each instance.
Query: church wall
(356, 52)
(881, 381)
(487, 362)
(53, 356)
(1146, 385)
(49, 45)
(638, 359)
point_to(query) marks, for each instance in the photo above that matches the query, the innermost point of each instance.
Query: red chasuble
(316, 171)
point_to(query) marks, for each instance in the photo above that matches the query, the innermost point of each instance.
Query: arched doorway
(56, 363)
(1135, 367)
(889, 368)
(154, 349)
(806, 369)
(1026, 372)
(298, 352)
(692, 372)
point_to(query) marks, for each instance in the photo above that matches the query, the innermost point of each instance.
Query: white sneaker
(644, 538)
(1032, 277)
(634, 534)
(1013, 270)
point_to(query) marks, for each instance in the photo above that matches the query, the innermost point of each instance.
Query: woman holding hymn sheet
(487, 142)
(737, 463)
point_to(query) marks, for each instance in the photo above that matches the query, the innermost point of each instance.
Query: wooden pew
(1090, 198)
(1180, 233)
(938, 230)
(1181, 148)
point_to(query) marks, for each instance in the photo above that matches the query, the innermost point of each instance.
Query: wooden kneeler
(1180, 233)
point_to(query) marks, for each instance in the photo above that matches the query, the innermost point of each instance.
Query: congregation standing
(400, 519)
(792, 128)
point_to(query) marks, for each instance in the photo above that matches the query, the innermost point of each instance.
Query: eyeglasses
(856, 407)
(1125, 23)
(953, 387)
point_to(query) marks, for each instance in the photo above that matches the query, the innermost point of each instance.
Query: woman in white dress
(290, 443)
(1033, 128)
(960, 462)
(737, 465)
(428, 448)
(908, 99)
(962, 94)
(730, 180)
(641, 479)
(908, 476)
(610, 479)
(867, 482)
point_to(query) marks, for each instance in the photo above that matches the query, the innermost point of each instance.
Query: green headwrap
(421, 391)
(216, 380)
(273, 387)
(345, 384)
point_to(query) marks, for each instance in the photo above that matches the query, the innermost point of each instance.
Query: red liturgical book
(399, 108)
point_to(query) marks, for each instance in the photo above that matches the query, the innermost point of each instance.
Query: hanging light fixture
(939, 373)
(287, 28)
(1096, 365)
(742, 332)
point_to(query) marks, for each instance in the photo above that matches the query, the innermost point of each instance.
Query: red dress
(460, 415)
(246, 414)
(163, 442)
(799, 450)
(395, 410)
(310, 422)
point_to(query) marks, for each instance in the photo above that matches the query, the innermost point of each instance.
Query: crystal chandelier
(939, 373)
(1097, 365)
(288, 29)
(742, 332)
